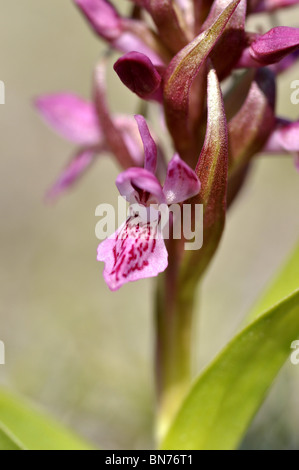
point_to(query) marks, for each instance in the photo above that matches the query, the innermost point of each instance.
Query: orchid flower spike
(137, 249)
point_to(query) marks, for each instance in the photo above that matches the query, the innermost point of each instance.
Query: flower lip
(135, 251)
(141, 186)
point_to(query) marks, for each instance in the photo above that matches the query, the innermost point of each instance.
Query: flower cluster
(176, 53)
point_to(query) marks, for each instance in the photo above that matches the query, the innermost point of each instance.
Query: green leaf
(286, 282)
(33, 428)
(8, 441)
(225, 398)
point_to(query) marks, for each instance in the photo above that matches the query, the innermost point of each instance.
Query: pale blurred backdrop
(72, 346)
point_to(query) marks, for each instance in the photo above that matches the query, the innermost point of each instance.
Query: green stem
(174, 321)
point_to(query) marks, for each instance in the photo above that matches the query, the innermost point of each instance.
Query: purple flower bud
(138, 73)
(275, 45)
(150, 148)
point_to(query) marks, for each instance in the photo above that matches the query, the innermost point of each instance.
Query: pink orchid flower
(137, 249)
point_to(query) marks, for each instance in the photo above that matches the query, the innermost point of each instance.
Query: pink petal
(273, 144)
(138, 185)
(102, 16)
(127, 126)
(181, 181)
(76, 168)
(72, 117)
(289, 136)
(136, 251)
(284, 138)
(150, 148)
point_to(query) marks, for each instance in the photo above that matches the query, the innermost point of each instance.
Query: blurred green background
(74, 347)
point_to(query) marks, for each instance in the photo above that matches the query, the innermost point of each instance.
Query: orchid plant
(214, 85)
